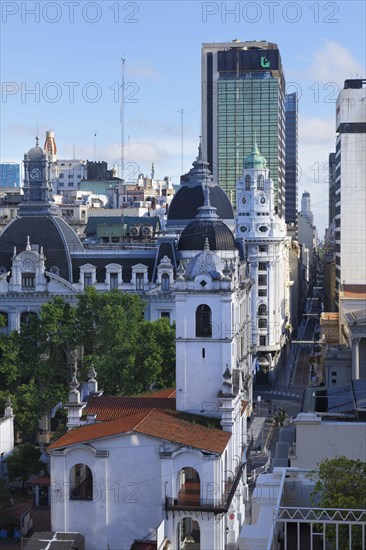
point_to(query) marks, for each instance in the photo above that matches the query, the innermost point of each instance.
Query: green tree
(24, 462)
(342, 484)
(130, 354)
(110, 326)
(9, 361)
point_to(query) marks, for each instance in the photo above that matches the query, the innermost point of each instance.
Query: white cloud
(316, 131)
(334, 63)
(329, 61)
(143, 71)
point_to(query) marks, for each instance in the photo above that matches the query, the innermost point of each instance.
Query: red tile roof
(112, 407)
(98, 431)
(170, 392)
(354, 291)
(153, 423)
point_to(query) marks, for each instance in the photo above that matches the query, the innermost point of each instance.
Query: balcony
(189, 497)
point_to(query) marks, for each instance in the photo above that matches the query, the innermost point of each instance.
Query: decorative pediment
(139, 267)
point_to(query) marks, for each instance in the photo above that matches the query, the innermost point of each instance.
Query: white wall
(317, 439)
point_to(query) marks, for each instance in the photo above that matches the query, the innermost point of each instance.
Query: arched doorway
(189, 487)
(189, 535)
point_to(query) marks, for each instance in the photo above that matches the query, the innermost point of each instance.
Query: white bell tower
(263, 234)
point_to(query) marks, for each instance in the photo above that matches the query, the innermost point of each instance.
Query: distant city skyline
(63, 73)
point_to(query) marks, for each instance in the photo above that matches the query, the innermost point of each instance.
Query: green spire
(255, 159)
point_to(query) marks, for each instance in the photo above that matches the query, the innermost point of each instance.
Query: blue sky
(70, 53)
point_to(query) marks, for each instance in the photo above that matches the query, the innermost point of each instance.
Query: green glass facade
(242, 103)
(247, 110)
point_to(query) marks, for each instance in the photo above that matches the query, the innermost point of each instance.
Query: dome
(188, 199)
(255, 160)
(217, 232)
(36, 153)
(191, 195)
(52, 232)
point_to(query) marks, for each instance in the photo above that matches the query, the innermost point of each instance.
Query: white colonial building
(170, 468)
(263, 234)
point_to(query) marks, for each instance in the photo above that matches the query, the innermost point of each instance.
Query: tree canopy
(106, 330)
(342, 484)
(24, 462)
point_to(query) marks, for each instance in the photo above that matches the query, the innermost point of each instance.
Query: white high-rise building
(350, 187)
(306, 207)
(263, 233)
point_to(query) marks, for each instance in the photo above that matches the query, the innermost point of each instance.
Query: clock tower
(37, 185)
(263, 234)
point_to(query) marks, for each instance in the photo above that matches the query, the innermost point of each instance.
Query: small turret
(8, 408)
(74, 406)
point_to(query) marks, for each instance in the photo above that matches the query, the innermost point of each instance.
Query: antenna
(181, 111)
(95, 146)
(73, 151)
(122, 119)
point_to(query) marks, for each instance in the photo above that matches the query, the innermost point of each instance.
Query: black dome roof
(217, 232)
(188, 199)
(52, 232)
(191, 196)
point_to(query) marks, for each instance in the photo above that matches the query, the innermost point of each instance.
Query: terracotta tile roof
(171, 428)
(153, 423)
(354, 291)
(97, 431)
(170, 392)
(112, 407)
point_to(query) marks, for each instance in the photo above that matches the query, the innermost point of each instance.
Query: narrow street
(271, 443)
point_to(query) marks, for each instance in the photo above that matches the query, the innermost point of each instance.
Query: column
(355, 359)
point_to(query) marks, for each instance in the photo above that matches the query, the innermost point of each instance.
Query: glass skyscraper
(291, 175)
(9, 174)
(243, 100)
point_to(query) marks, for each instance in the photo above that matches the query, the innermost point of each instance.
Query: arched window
(260, 182)
(81, 482)
(203, 321)
(165, 282)
(189, 534)
(26, 317)
(247, 183)
(4, 319)
(262, 309)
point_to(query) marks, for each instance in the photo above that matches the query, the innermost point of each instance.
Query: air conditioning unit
(147, 231)
(135, 230)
